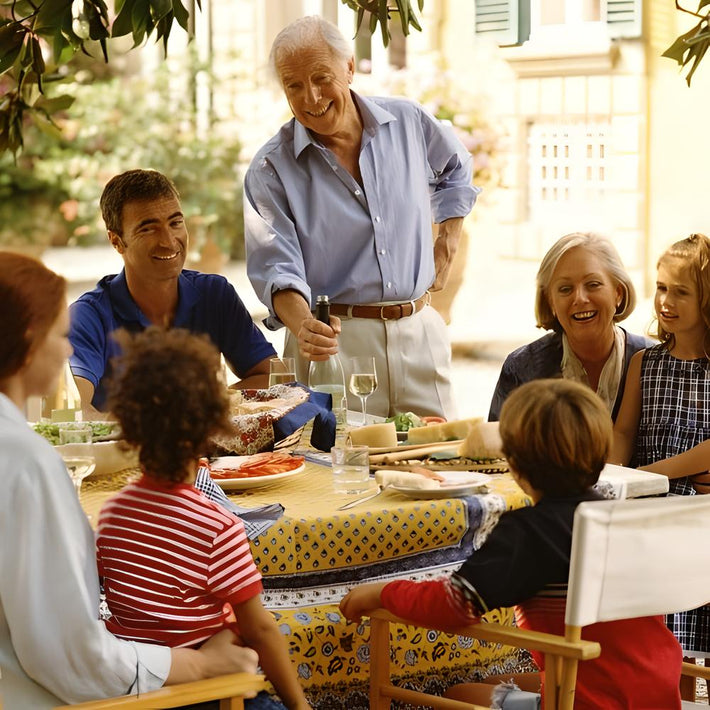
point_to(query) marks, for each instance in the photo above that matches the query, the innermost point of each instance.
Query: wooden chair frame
(612, 544)
(230, 690)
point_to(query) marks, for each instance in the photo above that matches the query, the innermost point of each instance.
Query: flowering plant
(446, 96)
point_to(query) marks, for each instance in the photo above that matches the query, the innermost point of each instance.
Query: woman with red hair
(53, 645)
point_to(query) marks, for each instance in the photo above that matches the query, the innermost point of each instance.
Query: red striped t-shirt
(172, 562)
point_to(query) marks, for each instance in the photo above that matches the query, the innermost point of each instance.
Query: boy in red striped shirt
(177, 567)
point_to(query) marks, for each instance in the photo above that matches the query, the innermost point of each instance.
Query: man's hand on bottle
(318, 341)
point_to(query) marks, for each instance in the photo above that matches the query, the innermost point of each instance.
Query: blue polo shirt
(207, 303)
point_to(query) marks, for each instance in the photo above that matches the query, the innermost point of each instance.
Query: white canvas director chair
(630, 558)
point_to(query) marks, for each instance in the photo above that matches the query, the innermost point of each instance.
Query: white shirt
(53, 646)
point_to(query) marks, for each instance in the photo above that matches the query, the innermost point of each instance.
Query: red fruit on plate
(433, 420)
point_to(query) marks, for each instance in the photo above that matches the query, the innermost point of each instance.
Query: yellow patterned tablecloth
(313, 553)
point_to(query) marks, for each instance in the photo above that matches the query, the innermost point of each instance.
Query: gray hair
(600, 247)
(305, 32)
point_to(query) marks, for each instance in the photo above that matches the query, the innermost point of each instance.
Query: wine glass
(282, 370)
(363, 380)
(79, 467)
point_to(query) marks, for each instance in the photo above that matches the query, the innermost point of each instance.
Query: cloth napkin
(319, 408)
(256, 520)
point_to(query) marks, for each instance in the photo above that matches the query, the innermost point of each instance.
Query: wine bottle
(66, 403)
(327, 375)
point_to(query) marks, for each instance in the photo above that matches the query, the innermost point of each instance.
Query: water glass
(75, 433)
(351, 468)
(282, 370)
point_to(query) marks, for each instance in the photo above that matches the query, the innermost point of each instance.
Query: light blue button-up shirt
(311, 227)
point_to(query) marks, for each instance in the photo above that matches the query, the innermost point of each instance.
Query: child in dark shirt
(556, 436)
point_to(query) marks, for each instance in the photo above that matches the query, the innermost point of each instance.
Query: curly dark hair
(167, 394)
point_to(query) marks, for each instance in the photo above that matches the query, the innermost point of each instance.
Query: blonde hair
(694, 251)
(600, 247)
(557, 435)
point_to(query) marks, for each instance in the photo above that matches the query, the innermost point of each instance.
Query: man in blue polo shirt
(146, 226)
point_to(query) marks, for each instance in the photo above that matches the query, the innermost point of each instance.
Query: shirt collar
(127, 309)
(373, 116)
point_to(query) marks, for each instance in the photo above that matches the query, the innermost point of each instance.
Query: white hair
(305, 32)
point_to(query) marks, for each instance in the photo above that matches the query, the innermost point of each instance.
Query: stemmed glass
(79, 467)
(363, 380)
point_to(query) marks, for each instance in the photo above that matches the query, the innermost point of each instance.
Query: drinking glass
(282, 370)
(351, 468)
(75, 433)
(363, 380)
(79, 467)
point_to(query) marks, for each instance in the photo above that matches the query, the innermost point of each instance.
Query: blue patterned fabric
(256, 520)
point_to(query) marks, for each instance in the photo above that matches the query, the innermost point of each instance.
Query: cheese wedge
(405, 479)
(482, 442)
(374, 435)
(448, 431)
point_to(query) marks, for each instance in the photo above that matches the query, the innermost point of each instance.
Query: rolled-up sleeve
(453, 195)
(274, 255)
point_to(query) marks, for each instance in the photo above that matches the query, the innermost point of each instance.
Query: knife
(353, 503)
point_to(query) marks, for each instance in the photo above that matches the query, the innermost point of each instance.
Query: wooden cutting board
(456, 464)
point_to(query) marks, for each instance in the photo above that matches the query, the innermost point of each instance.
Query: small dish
(456, 483)
(246, 482)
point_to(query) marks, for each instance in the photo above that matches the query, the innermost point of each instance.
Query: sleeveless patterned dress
(675, 416)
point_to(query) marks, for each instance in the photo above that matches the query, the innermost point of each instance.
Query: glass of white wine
(363, 380)
(79, 467)
(282, 370)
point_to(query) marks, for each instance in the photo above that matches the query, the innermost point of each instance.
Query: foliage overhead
(39, 38)
(691, 47)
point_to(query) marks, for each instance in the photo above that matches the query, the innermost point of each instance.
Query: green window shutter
(506, 21)
(623, 18)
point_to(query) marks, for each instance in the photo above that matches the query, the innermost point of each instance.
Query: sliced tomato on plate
(268, 463)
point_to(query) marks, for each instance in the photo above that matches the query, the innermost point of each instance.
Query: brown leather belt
(392, 311)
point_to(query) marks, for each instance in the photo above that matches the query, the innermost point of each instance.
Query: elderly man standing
(146, 226)
(340, 202)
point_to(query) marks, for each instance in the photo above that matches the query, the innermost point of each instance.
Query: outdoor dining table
(314, 553)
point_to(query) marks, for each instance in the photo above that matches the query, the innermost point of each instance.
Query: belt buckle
(382, 313)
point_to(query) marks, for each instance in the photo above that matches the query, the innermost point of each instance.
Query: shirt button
(389, 284)
(383, 251)
(377, 219)
(357, 192)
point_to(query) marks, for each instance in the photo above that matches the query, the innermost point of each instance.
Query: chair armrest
(510, 636)
(695, 671)
(173, 696)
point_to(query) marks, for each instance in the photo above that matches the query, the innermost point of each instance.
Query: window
(567, 171)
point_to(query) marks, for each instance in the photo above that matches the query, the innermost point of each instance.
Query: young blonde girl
(664, 420)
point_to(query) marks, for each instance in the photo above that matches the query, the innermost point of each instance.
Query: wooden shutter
(506, 21)
(623, 18)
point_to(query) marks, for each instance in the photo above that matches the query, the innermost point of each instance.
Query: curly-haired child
(176, 567)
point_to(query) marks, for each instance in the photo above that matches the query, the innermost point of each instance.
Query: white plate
(457, 483)
(241, 484)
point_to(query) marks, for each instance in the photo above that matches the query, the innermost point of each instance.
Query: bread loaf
(374, 435)
(482, 442)
(405, 479)
(448, 431)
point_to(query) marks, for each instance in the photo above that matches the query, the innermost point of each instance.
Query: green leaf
(160, 8)
(181, 14)
(678, 49)
(57, 103)
(360, 16)
(123, 25)
(403, 8)
(141, 20)
(45, 124)
(698, 52)
(9, 59)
